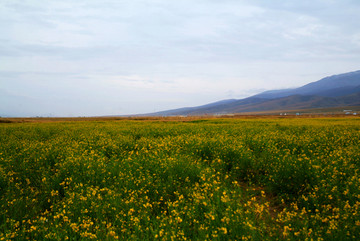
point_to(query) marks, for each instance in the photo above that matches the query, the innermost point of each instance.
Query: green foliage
(259, 179)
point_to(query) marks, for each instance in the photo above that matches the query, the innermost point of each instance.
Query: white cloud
(136, 54)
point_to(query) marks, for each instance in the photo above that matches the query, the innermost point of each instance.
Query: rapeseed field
(211, 179)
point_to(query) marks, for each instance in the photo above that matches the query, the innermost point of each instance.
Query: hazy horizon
(95, 58)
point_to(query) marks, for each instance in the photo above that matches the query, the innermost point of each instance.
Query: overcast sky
(104, 57)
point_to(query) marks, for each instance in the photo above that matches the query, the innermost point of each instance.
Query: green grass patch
(231, 179)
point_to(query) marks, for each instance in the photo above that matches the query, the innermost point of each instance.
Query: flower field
(207, 179)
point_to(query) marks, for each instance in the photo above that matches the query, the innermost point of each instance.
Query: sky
(120, 57)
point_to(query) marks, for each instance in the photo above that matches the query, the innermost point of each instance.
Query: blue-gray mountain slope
(333, 91)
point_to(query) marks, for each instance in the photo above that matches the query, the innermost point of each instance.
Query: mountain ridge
(348, 80)
(331, 91)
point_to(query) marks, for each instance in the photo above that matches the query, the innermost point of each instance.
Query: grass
(218, 179)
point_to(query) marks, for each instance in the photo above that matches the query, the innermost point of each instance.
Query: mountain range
(334, 91)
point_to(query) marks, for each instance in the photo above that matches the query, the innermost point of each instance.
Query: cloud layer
(74, 58)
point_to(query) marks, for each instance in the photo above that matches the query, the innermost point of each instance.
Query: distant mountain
(333, 91)
(331, 86)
